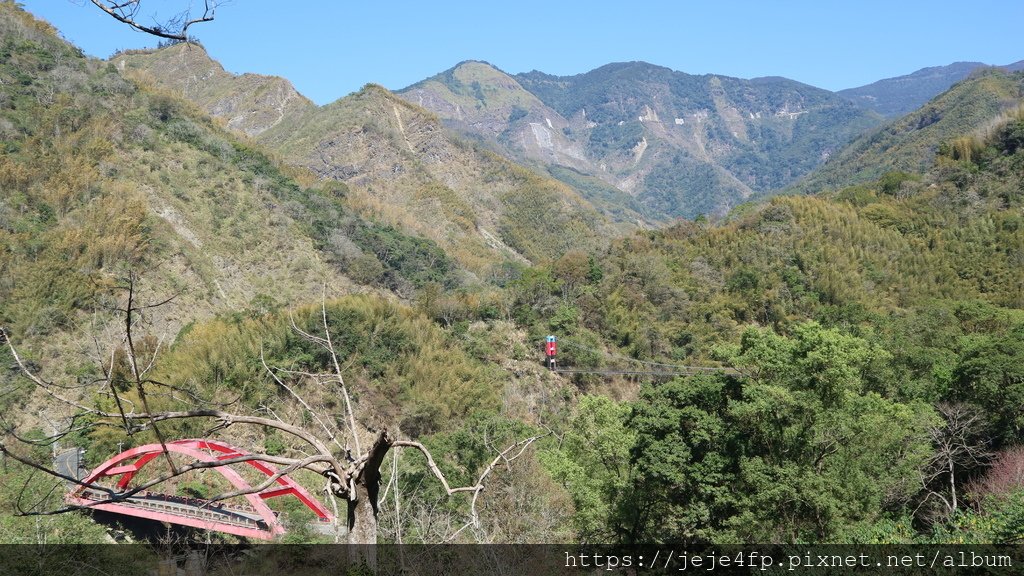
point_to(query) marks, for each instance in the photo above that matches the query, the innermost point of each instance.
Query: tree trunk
(952, 485)
(362, 513)
(362, 509)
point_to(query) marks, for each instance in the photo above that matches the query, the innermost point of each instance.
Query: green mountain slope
(853, 320)
(894, 97)
(910, 143)
(476, 204)
(680, 145)
(860, 322)
(101, 176)
(402, 166)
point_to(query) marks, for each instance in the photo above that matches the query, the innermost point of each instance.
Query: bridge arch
(261, 522)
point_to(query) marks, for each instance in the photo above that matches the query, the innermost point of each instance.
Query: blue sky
(330, 48)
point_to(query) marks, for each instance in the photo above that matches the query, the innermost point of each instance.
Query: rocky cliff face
(634, 142)
(476, 98)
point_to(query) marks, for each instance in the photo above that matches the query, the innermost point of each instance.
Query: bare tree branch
(129, 310)
(476, 489)
(327, 344)
(958, 444)
(356, 479)
(337, 371)
(398, 509)
(175, 28)
(291, 464)
(225, 419)
(330, 433)
(39, 382)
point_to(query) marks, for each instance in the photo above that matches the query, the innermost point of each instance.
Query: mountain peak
(250, 103)
(463, 74)
(477, 94)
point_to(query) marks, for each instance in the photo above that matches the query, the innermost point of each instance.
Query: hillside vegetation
(911, 143)
(863, 322)
(250, 103)
(104, 179)
(481, 207)
(894, 97)
(398, 164)
(866, 329)
(101, 175)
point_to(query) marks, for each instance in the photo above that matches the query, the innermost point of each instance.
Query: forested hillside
(101, 175)
(869, 324)
(971, 107)
(398, 288)
(108, 183)
(397, 162)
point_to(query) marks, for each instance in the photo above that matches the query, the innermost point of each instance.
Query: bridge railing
(183, 506)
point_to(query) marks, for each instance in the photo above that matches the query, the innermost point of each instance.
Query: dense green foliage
(913, 285)
(604, 196)
(708, 189)
(398, 362)
(916, 285)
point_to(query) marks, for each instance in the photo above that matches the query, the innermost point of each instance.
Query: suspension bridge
(629, 366)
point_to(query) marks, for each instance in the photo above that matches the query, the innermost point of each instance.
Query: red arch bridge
(254, 519)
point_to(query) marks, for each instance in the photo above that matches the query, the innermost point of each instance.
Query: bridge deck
(177, 510)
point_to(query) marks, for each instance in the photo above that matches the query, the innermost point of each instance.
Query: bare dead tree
(354, 477)
(175, 27)
(959, 444)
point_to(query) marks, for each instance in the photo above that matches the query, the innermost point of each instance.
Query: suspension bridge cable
(679, 369)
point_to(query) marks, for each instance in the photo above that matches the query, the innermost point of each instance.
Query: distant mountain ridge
(481, 207)
(400, 164)
(679, 144)
(633, 142)
(894, 97)
(910, 143)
